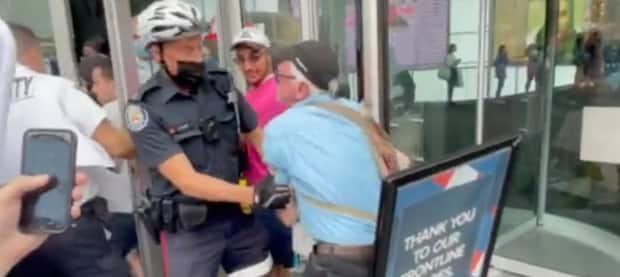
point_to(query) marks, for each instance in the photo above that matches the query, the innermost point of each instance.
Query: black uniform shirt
(164, 122)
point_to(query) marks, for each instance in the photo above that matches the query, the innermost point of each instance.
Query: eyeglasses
(279, 76)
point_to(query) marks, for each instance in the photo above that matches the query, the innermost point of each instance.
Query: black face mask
(189, 74)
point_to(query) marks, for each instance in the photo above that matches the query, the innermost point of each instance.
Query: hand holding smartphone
(51, 152)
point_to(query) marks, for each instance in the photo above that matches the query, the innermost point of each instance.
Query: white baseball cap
(251, 35)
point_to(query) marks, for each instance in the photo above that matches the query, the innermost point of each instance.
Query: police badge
(136, 117)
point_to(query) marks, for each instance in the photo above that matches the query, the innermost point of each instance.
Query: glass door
(515, 97)
(432, 95)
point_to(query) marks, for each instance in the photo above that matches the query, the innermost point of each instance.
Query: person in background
(146, 68)
(95, 45)
(26, 55)
(59, 104)
(8, 56)
(97, 74)
(452, 63)
(594, 64)
(533, 63)
(579, 58)
(96, 77)
(501, 63)
(312, 149)
(251, 52)
(404, 80)
(14, 244)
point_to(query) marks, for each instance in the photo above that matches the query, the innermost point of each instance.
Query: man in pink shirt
(251, 52)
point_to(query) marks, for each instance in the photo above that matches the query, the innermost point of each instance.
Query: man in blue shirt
(326, 159)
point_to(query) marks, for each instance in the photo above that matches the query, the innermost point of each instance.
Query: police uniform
(45, 101)
(204, 126)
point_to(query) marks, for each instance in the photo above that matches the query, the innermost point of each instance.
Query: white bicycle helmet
(168, 20)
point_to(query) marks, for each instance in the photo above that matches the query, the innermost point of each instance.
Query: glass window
(432, 90)
(89, 24)
(338, 27)
(279, 19)
(583, 177)
(513, 102)
(584, 183)
(209, 10)
(39, 20)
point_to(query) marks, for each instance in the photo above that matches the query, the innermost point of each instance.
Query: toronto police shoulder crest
(136, 117)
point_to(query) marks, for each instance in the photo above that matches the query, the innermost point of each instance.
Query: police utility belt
(171, 214)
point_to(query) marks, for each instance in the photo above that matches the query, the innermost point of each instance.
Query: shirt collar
(319, 96)
(168, 87)
(262, 82)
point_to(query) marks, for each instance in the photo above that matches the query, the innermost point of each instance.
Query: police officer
(187, 124)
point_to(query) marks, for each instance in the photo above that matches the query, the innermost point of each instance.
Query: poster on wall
(418, 33)
(441, 220)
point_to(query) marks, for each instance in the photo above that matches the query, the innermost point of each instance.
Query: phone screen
(48, 209)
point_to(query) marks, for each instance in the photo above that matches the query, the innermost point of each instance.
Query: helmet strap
(160, 45)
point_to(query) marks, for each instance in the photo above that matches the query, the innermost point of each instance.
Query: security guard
(59, 104)
(187, 124)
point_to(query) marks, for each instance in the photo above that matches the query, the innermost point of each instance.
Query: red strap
(164, 252)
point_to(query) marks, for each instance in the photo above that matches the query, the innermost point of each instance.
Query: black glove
(269, 195)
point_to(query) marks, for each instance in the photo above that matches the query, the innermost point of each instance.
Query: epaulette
(220, 80)
(148, 87)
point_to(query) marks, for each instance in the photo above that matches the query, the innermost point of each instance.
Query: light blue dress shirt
(327, 157)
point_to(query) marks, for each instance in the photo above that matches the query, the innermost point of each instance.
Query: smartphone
(51, 152)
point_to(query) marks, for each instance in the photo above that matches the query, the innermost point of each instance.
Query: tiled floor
(492, 273)
(499, 273)
(541, 248)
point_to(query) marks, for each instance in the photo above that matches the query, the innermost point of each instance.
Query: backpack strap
(339, 209)
(363, 123)
(366, 126)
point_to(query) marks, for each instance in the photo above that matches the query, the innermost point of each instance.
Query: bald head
(28, 47)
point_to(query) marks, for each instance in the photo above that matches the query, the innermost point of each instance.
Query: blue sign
(442, 224)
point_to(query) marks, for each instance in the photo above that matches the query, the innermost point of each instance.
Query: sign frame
(391, 184)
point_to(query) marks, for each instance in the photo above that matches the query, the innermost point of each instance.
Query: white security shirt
(7, 70)
(115, 187)
(50, 102)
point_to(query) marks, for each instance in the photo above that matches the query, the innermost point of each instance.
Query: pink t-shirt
(263, 99)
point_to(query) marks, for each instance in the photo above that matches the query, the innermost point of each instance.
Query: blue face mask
(141, 52)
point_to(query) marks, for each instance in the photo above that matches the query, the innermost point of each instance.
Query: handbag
(444, 72)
